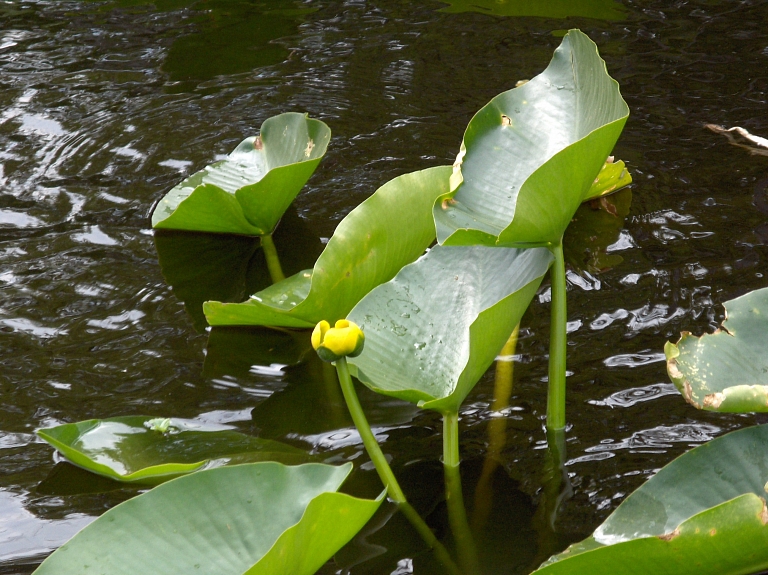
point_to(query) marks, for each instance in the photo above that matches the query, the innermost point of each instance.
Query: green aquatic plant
(248, 192)
(529, 158)
(390, 229)
(704, 513)
(727, 370)
(259, 518)
(146, 450)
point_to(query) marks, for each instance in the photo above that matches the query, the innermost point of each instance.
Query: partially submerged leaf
(727, 370)
(705, 513)
(261, 518)
(142, 449)
(530, 156)
(445, 318)
(387, 231)
(598, 9)
(248, 192)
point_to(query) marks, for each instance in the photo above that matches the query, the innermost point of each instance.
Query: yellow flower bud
(332, 343)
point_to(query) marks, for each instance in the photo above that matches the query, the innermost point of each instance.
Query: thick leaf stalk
(557, 343)
(273, 262)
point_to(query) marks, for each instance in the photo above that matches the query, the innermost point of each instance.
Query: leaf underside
(727, 370)
(704, 509)
(445, 317)
(228, 521)
(530, 156)
(387, 231)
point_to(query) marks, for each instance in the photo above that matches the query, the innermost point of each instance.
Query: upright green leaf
(433, 331)
(142, 449)
(704, 513)
(248, 192)
(260, 518)
(726, 370)
(387, 231)
(531, 154)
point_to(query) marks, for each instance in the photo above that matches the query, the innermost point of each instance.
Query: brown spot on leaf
(763, 515)
(258, 144)
(447, 202)
(712, 532)
(506, 121)
(309, 148)
(670, 536)
(714, 400)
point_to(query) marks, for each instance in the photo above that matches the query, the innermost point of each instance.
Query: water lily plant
(528, 160)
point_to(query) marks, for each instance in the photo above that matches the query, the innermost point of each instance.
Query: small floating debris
(742, 138)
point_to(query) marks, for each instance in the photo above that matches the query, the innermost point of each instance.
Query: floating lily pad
(531, 155)
(704, 513)
(387, 231)
(445, 318)
(726, 370)
(142, 449)
(260, 519)
(248, 192)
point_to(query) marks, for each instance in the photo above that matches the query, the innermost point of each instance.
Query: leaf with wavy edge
(433, 331)
(531, 154)
(126, 449)
(704, 512)
(726, 370)
(387, 231)
(259, 519)
(248, 192)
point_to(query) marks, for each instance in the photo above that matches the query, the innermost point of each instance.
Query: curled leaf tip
(332, 343)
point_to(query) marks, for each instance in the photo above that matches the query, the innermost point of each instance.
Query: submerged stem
(385, 471)
(273, 262)
(457, 513)
(557, 342)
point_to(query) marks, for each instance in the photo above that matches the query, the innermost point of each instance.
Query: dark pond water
(104, 106)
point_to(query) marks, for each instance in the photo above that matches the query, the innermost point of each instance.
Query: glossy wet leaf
(611, 178)
(248, 192)
(138, 449)
(530, 156)
(703, 513)
(387, 231)
(261, 518)
(598, 9)
(433, 331)
(726, 370)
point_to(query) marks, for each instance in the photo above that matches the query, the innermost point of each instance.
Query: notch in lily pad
(727, 370)
(248, 192)
(151, 450)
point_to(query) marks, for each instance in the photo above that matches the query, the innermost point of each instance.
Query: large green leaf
(726, 370)
(259, 519)
(598, 9)
(248, 192)
(141, 449)
(433, 331)
(387, 231)
(531, 154)
(704, 513)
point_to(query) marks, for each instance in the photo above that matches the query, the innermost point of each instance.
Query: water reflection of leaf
(202, 267)
(598, 9)
(232, 37)
(594, 228)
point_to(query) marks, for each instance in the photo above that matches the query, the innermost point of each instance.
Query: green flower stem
(457, 513)
(273, 262)
(557, 342)
(385, 471)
